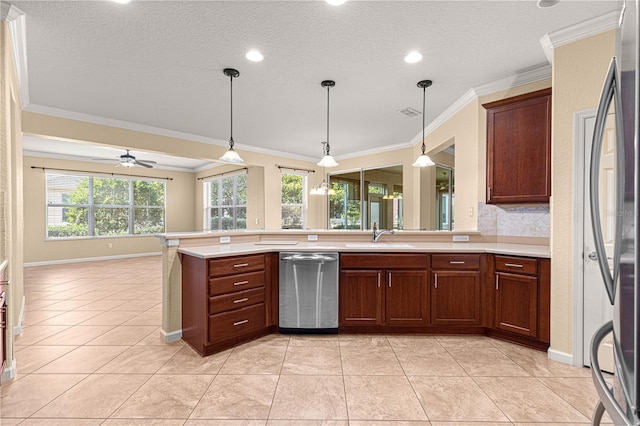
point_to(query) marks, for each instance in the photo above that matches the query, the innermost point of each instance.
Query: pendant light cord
(328, 147)
(424, 94)
(231, 143)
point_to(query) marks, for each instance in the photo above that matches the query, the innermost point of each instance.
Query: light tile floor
(91, 353)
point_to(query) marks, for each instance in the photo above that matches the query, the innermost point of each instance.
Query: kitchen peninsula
(473, 286)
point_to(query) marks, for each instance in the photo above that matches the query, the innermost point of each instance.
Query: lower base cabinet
(455, 289)
(394, 295)
(522, 299)
(227, 301)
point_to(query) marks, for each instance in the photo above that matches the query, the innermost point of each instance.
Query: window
(225, 202)
(95, 206)
(293, 200)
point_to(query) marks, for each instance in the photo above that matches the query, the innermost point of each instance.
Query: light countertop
(212, 251)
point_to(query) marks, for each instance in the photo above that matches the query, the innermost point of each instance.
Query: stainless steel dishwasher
(308, 292)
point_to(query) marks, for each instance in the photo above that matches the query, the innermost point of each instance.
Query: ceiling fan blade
(144, 164)
(107, 160)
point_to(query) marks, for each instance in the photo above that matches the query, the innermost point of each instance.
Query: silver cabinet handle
(244, 299)
(610, 93)
(497, 282)
(435, 282)
(378, 279)
(389, 279)
(241, 322)
(513, 265)
(241, 282)
(456, 262)
(240, 265)
(489, 190)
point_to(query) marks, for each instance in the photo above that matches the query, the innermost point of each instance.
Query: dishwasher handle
(311, 257)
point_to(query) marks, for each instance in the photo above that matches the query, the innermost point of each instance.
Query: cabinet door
(517, 303)
(406, 298)
(360, 300)
(455, 298)
(519, 149)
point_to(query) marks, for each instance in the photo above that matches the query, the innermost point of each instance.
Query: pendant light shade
(231, 156)
(423, 159)
(327, 160)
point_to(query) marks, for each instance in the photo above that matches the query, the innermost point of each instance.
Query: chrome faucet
(377, 234)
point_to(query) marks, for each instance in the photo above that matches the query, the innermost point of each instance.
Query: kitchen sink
(378, 245)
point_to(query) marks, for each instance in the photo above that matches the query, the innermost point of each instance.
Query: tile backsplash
(514, 221)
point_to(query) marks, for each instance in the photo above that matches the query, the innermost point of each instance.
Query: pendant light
(327, 159)
(423, 159)
(231, 156)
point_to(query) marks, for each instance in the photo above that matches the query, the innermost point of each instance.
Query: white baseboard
(562, 357)
(9, 372)
(171, 336)
(90, 259)
(17, 329)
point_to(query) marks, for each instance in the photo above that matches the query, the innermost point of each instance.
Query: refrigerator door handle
(607, 399)
(610, 93)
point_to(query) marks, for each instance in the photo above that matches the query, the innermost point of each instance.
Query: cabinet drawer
(227, 325)
(236, 265)
(235, 283)
(236, 300)
(455, 261)
(383, 261)
(516, 265)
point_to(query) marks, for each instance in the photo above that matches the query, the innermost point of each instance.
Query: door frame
(579, 152)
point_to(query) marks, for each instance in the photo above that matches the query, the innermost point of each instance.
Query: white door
(597, 309)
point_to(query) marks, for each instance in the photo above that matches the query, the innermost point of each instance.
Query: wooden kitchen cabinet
(519, 149)
(393, 294)
(360, 297)
(455, 290)
(521, 304)
(225, 301)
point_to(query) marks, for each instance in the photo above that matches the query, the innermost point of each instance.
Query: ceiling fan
(127, 160)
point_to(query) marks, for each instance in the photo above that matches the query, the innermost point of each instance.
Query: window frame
(305, 196)
(208, 207)
(91, 206)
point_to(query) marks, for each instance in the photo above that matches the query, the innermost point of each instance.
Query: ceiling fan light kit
(231, 156)
(128, 160)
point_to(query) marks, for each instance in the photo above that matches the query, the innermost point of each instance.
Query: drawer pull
(240, 265)
(241, 282)
(456, 262)
(241, 322)
(513, 265)
(244, 299)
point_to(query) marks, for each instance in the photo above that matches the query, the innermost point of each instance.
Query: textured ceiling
(159, 63)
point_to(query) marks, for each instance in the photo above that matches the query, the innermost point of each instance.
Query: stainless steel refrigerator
(620, 397)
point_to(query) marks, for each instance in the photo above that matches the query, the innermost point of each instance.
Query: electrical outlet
(461, 238)
(225, 240)
(257, 221)
(109, 245)
(312, 237)
(470, 211)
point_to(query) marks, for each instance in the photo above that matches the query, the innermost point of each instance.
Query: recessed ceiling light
(121, 1)
(413, 57)
(254, 56)
(335, 2)
(546, 3)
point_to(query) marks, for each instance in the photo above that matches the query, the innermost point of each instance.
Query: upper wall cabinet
(519, 149)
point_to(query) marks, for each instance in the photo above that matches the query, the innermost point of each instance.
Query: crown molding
(89, 118)
(374, 151)
(17, 27)
(471, 95)
(584, 29)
